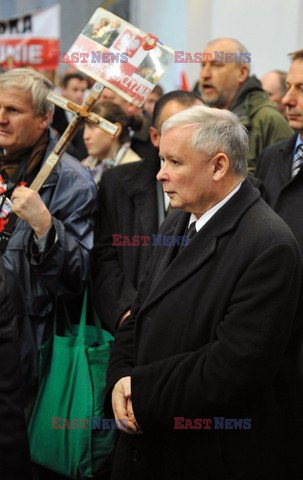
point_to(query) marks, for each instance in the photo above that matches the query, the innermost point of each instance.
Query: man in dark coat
(200, 371)
(225, 83)
(14, 450)
(278, 167)
(130, 203)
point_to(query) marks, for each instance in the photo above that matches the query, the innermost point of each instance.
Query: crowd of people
(187, 224)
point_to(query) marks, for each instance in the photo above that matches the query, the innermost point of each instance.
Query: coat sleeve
(240, 363)
(64, 267)
(114, 293)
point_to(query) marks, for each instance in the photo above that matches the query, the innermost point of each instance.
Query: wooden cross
(81, 113)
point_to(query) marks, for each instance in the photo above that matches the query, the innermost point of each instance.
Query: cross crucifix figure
(81, 113)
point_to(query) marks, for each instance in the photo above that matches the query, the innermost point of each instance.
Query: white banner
(31, 40)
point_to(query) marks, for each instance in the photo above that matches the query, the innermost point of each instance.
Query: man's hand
(29, 206)
(126, 314)
(122, 406)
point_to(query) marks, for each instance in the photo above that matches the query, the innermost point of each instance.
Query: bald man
(225, 82)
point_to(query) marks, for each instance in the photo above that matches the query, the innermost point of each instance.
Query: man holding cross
(48, 252)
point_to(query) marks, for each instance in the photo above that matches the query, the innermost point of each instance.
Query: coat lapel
(173, 269)
(284, 160)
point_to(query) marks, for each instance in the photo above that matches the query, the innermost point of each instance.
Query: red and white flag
(31, 40)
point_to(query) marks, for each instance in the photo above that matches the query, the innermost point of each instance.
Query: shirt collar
(207, 215)
(299, 141)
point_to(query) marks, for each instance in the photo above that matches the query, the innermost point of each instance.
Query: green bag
(72, 386)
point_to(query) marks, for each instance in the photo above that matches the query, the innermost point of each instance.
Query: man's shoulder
(71, 178)
(134, 175)
(71, 166)
(267, 226)
(272, 152)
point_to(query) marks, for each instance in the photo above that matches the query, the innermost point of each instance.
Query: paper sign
(120, 56)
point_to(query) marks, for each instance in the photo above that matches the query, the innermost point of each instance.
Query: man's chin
(211, 101)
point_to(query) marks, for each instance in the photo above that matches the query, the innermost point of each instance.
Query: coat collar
(172, 268)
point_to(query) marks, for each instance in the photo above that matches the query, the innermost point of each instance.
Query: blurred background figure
(152, 98)
(73, 87)
(274, 83)
(106, 151)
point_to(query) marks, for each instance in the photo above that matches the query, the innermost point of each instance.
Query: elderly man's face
(293, 99)
(186, 176)
(20, 128)
(220, 82)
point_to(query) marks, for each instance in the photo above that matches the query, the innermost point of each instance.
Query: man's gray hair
(215, 130)
(27, 79)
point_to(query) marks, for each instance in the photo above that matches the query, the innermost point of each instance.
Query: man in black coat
(204, 371)
(278, 167)
(130, 203)
(14, 450)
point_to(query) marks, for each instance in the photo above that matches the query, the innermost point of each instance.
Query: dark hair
(181, 96)
(296, 55)
(114, 113)
(69, 76)
(158, 90)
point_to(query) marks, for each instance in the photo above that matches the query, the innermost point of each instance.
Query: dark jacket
(215, 334)
(264, 123)
(70, 195)
(14, 451)
(128, 205)
(283, 193)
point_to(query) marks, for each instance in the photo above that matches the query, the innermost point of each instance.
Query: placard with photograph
(120, 56)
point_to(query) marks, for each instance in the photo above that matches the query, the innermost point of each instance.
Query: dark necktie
(191, 231)
(298, 162)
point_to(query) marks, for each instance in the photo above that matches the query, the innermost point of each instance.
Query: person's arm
(64, 264)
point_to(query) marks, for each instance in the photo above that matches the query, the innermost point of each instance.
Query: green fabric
(73, 372)
(264, 123)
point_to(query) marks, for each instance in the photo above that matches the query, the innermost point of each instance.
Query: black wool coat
(128, 206)
(283, 193)
(215, 333)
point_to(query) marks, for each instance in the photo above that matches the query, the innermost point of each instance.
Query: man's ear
(46, 120)
(154, 137)
(244, 73)
(118, 132)
(220, 164)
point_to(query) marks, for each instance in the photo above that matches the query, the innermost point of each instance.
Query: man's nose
(289, 98)
(205, 71)
(3, 117)
(162, 173)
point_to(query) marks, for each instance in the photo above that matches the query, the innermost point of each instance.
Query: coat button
(135, 455)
